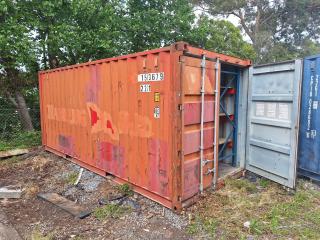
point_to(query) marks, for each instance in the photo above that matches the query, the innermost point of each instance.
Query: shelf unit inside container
(229, 85)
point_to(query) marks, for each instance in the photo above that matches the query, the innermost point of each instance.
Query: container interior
(229, 102)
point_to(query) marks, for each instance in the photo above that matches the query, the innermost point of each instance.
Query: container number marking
(151, 77)
(156, 112)
(145, 88)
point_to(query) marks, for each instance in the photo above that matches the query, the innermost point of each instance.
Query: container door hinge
(206, 161)
(180, 107)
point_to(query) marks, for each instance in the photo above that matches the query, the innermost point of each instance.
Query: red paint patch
(94, 117)
(109, 125)
(111, 158)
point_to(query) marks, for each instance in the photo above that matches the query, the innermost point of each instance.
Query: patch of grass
(193, 228)
(242, 184)
(37, 235)
(109, 210)
(210, 226)
(125, 189)
(298, 216)
(263, 182)
(21, 140)
(72, 178)
(273, 212)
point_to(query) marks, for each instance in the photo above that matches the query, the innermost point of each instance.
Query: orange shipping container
(142, 117)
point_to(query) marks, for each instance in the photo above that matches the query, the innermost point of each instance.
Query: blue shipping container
(309, 135)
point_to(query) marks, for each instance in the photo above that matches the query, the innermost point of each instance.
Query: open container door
(273, 118)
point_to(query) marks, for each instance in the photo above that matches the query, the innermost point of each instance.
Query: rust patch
(191, 178)
(159, 166)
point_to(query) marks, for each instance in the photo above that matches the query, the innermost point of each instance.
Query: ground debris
(11, 153)
(47, 173)
(10, 192)
(65, 204)
(7, 232)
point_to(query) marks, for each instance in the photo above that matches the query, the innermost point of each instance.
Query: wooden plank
(11, 153)
(65, 204)
(10, 192)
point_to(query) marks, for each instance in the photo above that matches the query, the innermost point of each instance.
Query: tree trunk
(23, 111)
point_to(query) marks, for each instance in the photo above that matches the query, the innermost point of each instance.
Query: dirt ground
(34, 218)
(247, 208)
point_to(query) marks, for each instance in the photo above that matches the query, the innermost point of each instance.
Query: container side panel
(309, 136)
(114, 116)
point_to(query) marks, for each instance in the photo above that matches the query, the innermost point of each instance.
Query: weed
(256, 227)
(263, 182)
(193, 228)
(72, 178)
(109, 210)
(210, 226)
(125, 189)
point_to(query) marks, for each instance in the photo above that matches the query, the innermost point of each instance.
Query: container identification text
(151, 77)
(145, 88)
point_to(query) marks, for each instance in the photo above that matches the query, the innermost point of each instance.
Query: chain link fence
(12, 128)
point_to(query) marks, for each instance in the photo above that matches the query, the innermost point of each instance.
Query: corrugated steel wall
(309, 135)
(97, 113)
(107, 117)
(273, 119)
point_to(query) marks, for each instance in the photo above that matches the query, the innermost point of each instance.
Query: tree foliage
(277, 29)
(221, 36)
(44, 34)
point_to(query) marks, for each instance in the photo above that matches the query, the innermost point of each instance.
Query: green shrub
(21, 140)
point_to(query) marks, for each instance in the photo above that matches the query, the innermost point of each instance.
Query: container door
(191, 80)
(273, 117)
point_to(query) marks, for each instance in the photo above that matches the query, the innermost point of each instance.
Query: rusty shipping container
(147, 118)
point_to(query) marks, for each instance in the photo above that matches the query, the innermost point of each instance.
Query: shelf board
(223, 140)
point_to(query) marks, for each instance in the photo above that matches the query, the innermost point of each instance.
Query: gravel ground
(46, 172)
